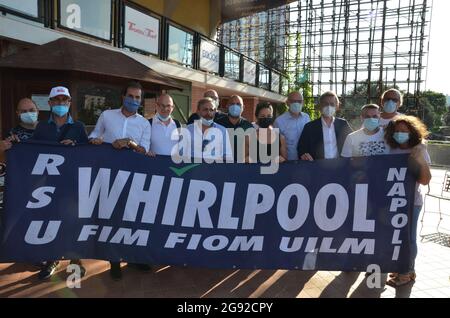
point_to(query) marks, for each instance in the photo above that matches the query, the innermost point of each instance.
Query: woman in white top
(406, 134)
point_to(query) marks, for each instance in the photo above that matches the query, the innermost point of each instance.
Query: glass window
(181, 46)
(86, 16)
(232, 65)
(264, 77)
(29, 7)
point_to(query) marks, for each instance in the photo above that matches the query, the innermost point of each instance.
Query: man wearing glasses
(165, 135)
(216, 99)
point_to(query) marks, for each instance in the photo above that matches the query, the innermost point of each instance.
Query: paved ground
(432, 266)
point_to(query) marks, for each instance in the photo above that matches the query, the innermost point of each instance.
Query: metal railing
(187, 52)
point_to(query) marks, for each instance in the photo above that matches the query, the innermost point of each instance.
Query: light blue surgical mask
(235, 110)
(371, 124)
(329, 111)
(29, 117)
(401, 137)
(390, 106)
(60, 110)
(296, 107)
(162, 118)
(207, 122)
(131, 105)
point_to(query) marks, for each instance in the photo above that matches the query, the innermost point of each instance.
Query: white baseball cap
(59, 90)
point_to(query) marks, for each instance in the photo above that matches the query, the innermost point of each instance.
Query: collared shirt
(49, 131)
(359, 144)
(291, 128)
(113, 125)
(330, 147)
(162, 142)
(213, 144)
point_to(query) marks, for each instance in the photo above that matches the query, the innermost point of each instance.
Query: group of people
(292, 134)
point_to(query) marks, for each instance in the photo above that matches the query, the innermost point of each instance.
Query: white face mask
(329, 111)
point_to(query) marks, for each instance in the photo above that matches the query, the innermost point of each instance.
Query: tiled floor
(432, 266)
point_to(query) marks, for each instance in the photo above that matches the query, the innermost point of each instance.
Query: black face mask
(265, 122)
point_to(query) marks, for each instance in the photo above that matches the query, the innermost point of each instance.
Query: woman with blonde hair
(407, 134)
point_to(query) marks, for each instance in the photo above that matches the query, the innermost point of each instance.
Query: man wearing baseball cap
(61, 128)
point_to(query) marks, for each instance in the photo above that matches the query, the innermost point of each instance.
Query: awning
(68, 55)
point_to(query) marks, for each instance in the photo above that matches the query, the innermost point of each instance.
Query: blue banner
(95, 202)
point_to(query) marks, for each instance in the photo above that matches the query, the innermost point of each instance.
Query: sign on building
(209, 56)
(86, 16)
(141, 31)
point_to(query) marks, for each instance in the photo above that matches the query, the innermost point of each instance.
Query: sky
(438, 72)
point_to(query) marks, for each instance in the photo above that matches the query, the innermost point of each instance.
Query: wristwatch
(132, 144)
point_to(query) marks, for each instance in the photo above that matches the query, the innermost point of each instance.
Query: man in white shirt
(369, 140)
(124, 127)
(206, 139)
(391, 101)
(164, 132)
(324, 137)
(291, 123)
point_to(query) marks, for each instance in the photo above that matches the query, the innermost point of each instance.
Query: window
(181, 46)
(264, 77)
(232, 68)
(85, 16)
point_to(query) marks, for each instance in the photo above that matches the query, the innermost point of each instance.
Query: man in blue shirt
(60, 128)
(291, 123)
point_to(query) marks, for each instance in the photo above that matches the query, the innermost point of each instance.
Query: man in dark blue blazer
(324, 138)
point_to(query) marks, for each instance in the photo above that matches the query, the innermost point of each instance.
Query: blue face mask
(29, 117)
(60, 110)
(390, 106)
(296, 107)
(371, 123)
(234, 110)
(131, 105)
(207, 122)
(161, 118)
(401, 137)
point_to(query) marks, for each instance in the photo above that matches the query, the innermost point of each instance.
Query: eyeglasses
(165, 106)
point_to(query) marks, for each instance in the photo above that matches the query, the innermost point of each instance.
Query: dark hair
(132, 84)
(418, 131)
(261, 106)
(204, 101)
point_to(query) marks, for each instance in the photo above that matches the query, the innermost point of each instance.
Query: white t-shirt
(385, 122)
(359, 144)
(418, 197)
